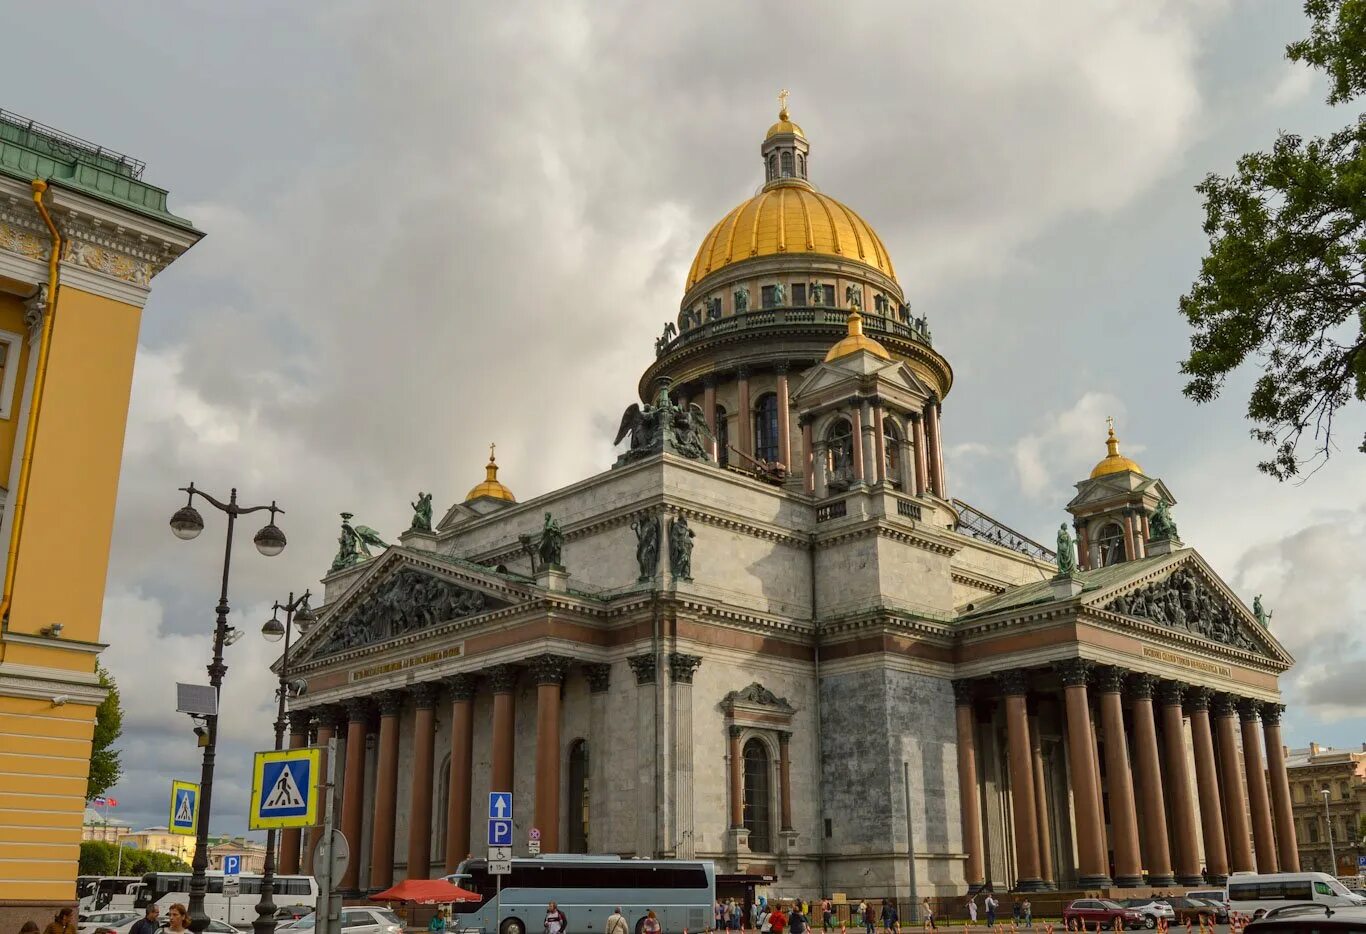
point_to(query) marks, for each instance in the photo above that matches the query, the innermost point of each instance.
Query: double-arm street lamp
(187, 523)
(273, 631)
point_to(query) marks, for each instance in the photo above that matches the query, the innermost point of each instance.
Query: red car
(1089, 912)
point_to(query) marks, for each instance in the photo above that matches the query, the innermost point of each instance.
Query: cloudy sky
(432, 226)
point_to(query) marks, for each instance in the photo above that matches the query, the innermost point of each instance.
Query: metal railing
(972, 521)
(874, 324)
(73, 146)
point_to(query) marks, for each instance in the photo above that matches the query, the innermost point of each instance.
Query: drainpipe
(40, 379)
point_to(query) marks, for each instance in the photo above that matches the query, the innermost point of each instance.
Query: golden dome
(491, 488)
(784, 125)
(1114, 461)
(855, 341)
(788, 218)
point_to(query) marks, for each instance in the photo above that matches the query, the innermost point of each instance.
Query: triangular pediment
(403, 593)
(854, 370)
(1184, 595)
(1105, 488)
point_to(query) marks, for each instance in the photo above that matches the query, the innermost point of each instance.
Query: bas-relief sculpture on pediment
(406, 602)
(1182, 601)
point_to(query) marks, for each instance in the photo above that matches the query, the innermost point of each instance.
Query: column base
(1158, 881)
(1128, 882)
(1028, 885)
(1216, 878)
(1099, 881)
(1195, 879)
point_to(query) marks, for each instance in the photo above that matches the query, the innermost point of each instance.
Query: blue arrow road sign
(500, 805)
(500, 832)
(232, 865)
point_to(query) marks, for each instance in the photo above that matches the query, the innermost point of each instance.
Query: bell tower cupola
(785, 150)
(1119, 512)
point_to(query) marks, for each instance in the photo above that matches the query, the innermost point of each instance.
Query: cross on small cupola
(784, 149)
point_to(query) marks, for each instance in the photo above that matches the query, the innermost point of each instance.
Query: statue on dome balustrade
(853, 296)
(741, 296)
(779, 295)
(815, 293)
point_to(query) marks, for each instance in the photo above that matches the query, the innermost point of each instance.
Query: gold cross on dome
(782, 104)
(1110, 422)
(491, 447)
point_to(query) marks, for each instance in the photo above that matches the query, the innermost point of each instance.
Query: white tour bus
(101, 893)
(1255, 894)
(164, 889)
(587, 889)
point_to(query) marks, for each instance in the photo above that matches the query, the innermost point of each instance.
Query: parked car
(1218, 896)
(105, 919)
(1196, 909)
(1310, 918)
(354, 921)
(1152, 910)
(1102, 911)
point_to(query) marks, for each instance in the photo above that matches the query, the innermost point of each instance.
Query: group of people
(797, 916)
(64, 922)
(1021, 912)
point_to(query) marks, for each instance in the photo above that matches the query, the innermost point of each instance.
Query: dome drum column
(745, 416)
(784, 419)
(921, 459)
(879, 444)
(809, 458)
(709, 412)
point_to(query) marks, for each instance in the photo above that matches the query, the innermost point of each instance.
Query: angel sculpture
(639, 423)
(853, 295)
(691, 435)
(354, 543)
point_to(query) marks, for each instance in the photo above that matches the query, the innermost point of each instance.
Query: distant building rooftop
(29, 150)
(95, 818)
(1314, 754)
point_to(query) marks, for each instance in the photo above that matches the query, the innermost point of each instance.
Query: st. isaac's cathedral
(769, 635)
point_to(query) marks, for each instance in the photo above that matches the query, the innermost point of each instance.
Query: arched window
(756, 811)
(440, 813)
(578, 797)
(787, 164)
(766, 428)
(891, 452)
(1111, 542)
(772, 166)
(839, 444)
(801, 166)
(722, 437)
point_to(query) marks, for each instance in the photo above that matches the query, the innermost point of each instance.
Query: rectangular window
(10, 343)
(799, 294)
(1296, 890)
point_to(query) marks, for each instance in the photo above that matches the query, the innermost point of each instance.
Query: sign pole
(328, 912)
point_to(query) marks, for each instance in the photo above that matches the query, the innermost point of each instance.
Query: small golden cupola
(491, 488)
(1114, 462)
(855, 341)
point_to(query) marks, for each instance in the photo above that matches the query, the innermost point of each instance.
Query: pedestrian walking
(62, 923)
(150, 923)
(651, 924)
(972, 909)
(797, 922)
(991, 904)
(616, 923)
(1027, 910)
(178, 918)
(555, 921)
(890, 921)
(865, 917)
(764, 926)
(827, 914)
(737, 915)
(777, 919)
(928, 912)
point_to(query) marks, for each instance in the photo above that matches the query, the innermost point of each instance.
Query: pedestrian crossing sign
(184, 808)
(284, 790)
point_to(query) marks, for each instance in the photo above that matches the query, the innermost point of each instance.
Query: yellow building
(81, 238)
(161, 840)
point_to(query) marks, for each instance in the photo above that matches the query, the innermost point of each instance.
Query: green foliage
(105, 768)
(102, 859)
(1284, 281)
(98, 858)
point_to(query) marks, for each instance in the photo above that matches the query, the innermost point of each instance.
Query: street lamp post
(270, 541)
(273, 630)
(1328, 819)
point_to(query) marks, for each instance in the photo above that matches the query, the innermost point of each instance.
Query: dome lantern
(1113, 462)
(491, 488)
(784, 150)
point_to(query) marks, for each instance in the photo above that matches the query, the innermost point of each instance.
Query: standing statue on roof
(1067, 558)
(551, 543)
(1262, 613)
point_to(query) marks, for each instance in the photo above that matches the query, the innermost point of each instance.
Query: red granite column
(460, 799)
(932, 447)
(1130, 546)
(1259, 804)
(1041, 805)
(1123, 817)
(857, 416)
(745, 417)
(549, 671)
(299, 722)
(331, 721)
(386, 792)
(420, 797)
(808, 457)
(709, 410)
(1093, 866)
(785, 778)
(1207, 787)
(922, 469)
(1148, 772)
(879, 443)
(1083, 547)
(1179, 785)
(1286, 846)
(353, 788)
(969, 803)
(1015, 685)
(504, 681)
(784, 419)
(737, 780)
(1231, 778)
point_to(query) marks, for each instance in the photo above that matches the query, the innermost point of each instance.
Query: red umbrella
(426, 892)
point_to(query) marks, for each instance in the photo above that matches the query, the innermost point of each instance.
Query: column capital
(462, 686)
(734, 731)
(682, 666)
(1198, 698)
(963, 691)
(784, 737)
(1013, 682)
(644, 667)
(300, 721)
(1169, 693)
(1142, 684)
(1248, 709)
(1110, 679)
(1074, 671)
(503, 678)
(599, 676)
(1223, 705)
(781, 368)
(1271, 712)
(549, 668)
(390, 703)
(425, 694)
(332, 716)
(742, 372)
(709, 381)
(358, 709)
(916, 417)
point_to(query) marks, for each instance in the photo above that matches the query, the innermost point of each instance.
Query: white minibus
(1257, 893)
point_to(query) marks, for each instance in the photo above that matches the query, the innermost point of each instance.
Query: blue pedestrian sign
(232, 866)
(500, 805)
(284, 790)
(500, 832)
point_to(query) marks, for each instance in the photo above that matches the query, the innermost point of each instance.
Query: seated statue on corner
(664, 426)
(422, 513)
(1161, 526)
